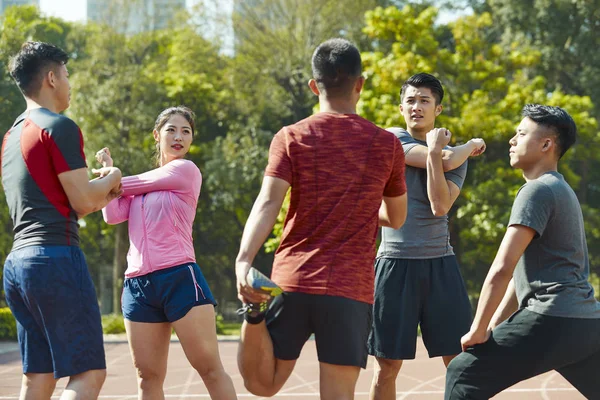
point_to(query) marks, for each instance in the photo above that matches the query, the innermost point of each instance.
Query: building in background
(7, 3)
(133, 16)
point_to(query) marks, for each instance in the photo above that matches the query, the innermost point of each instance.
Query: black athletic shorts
(409, 293)
(340, 325)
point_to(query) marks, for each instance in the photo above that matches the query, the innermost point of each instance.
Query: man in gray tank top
(537, 311)
(418, 281)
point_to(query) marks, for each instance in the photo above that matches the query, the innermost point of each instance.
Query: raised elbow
(112, 221)
(396, 225)
(83, 208)
(500, 274)
(439, 210)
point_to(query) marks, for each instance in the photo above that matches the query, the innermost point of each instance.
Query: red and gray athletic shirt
(40, 146)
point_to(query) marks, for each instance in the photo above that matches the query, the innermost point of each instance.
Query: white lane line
(188, 383)
(544, 387)
(415, 390)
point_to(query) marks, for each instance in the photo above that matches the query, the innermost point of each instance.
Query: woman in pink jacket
(164, 287)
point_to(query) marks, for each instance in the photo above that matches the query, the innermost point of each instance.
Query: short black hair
(32, 62)
(556, 119)
(427, 81)
(336, 64)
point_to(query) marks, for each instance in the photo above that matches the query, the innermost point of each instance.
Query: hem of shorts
(380, 354)
(444, 353)
(64, 374)
(187, 309)
(27, 370)
(286, 358)
(405, 257)
(128, 318)
(360, 364)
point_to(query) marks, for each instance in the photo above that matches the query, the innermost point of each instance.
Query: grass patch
(231, 328)
(8, 325)
(113, 323)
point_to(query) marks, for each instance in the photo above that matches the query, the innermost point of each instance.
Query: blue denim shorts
(50, 292)
(165, 295)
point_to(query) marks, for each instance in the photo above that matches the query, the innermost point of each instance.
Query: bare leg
(84, 386)
(383, 386)
(149, 345)
(197, 333)
(337, 382)
(263, 374)
(37, 386)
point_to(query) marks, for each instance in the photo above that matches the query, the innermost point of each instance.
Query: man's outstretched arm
(507, 307)
(452, 158)
(258, 227)
(513, 245)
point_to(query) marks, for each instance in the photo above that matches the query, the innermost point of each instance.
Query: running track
(421, 379)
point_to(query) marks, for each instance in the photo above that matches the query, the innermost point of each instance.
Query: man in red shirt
(346, 177)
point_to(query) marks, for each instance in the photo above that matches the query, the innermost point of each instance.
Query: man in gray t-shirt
(423, 235)
(417, 279)
(546, 317)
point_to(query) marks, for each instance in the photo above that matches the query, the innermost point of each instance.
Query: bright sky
(72, 10)
(75, 10)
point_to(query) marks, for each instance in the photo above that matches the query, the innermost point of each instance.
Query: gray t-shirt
(423, 235)
(551, 277)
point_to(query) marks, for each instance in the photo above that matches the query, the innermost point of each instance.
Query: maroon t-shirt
(339, 167)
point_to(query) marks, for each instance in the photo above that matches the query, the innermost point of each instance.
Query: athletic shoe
(256, 312)
(259, 281)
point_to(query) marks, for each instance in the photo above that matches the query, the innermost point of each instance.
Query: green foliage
(8, 325)
(219, 322)
(229, 329)
(20, 24)
(566, 33)
(232, 173)
(113, 324)
(274, 42)
(272, 243)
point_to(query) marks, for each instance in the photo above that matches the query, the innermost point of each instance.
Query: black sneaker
(256, 312)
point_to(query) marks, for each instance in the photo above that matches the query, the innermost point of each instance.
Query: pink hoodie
(160, 206)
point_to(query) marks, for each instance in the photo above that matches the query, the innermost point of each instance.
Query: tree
(274, 42)
(233, 174)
